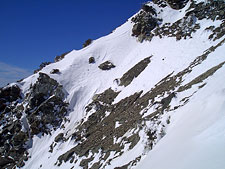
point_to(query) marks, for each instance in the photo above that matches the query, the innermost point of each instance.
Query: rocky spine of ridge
(147, 23)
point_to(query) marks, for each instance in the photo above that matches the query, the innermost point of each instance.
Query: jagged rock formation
(182, 28)
(127, 78)
(39, 112)
(177, 4)
(169, 62)
(145, 22)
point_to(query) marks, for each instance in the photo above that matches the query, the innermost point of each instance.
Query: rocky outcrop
(9, 94)
(213, 10)
(106, 65)
(87, 43)
(5, 161)
(41, 111)
(57, 58)
(59, 137)
(144, 22)
(60, 57)
(42, 65)
(45, 103)
(134, 72)
(177, 4)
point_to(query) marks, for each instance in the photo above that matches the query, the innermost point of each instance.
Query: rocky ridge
(148, 23)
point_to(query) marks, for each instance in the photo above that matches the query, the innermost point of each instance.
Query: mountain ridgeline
(147, 96)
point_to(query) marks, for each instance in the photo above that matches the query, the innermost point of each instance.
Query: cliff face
(148, 95)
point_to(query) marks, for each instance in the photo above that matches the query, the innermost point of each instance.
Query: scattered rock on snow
(91, 60)
(60, 57)
(87, 43)
(55, 71)
(106, 65)
(42, 65)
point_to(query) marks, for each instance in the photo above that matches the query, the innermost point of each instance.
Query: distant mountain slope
(150, 95)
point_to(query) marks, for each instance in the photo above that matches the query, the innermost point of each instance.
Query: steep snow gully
(150, 95)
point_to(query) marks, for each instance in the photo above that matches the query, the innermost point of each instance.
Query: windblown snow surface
(195, 136)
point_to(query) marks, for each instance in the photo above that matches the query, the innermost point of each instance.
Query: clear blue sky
(34, 31)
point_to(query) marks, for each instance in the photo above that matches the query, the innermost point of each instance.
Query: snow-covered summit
(148, 95)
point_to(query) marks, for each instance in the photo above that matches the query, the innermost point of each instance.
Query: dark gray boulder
(106, 65)
(91, 60)
(9, 94)
(55, 71)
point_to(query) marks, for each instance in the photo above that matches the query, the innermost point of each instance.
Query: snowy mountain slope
(161, 106)
(195, 138)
